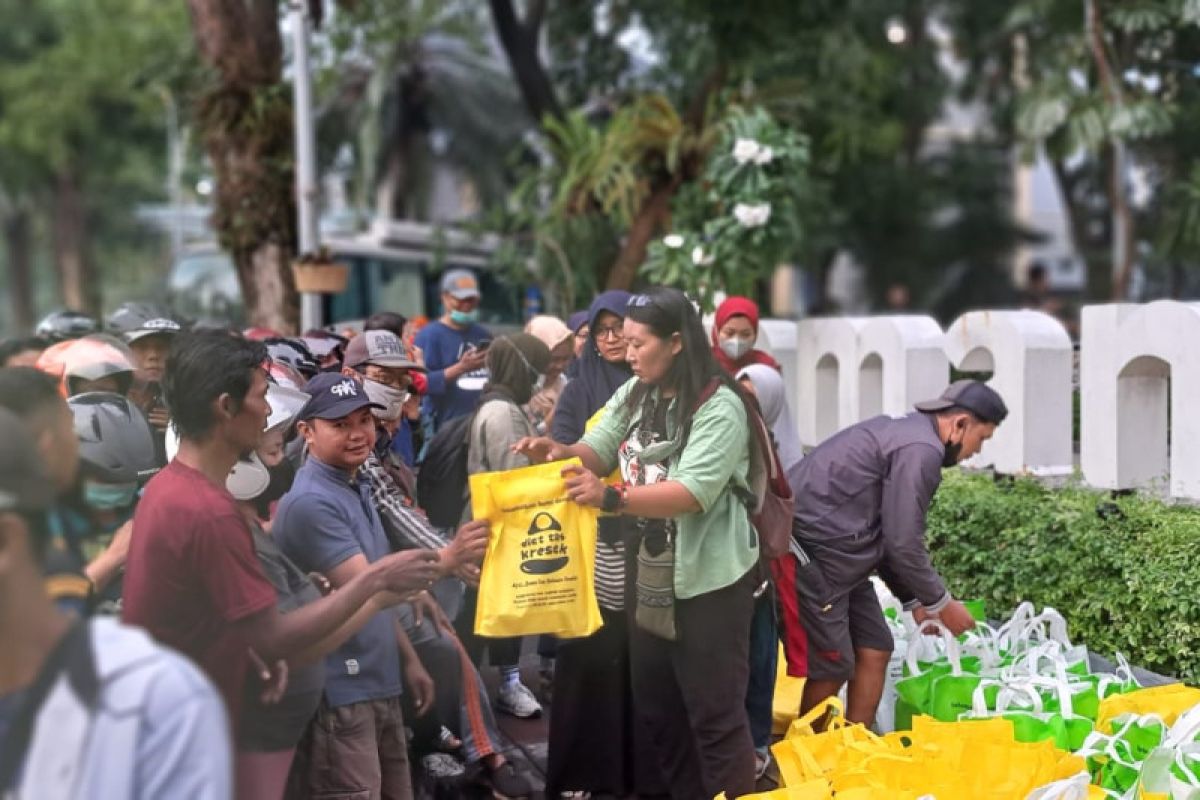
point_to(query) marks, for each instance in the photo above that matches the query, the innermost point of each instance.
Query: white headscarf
(768, 386)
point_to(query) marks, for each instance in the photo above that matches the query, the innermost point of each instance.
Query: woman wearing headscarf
(598, 373)
(766, 384)
(517, 365)
(578, 323)
(734, 333)
(558, 337)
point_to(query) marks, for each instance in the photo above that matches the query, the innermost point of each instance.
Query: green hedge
(1125, 572)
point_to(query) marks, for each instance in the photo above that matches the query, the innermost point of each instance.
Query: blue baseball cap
(334, 396)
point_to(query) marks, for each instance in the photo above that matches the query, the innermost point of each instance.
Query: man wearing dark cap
(328, 523)
(861, 501)
(193, 578)
(455, 349)
(88, 709)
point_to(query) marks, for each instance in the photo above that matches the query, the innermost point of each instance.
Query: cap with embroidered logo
(334, 396)
(460, 284)
(381, 348)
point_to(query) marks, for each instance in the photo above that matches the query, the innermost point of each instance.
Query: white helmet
(249, 477)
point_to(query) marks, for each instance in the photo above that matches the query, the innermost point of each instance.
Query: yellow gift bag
(538, 574)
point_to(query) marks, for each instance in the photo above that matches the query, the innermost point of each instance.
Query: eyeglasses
(389, 376)
(613, 331)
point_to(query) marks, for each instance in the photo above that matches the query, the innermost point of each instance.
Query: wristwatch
(611, 501)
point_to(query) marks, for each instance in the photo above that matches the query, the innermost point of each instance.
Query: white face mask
(735, 348)
(390, 398)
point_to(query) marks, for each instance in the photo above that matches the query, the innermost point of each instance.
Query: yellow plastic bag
(1167, 701)
(789, 692)
(538, 575)
(813, 790)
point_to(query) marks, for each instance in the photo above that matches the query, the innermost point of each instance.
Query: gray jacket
(861, 500)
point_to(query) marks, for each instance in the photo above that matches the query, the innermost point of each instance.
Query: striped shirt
(406, 527)
(610, 574)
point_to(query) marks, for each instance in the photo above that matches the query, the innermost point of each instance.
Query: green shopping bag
(1114, 757)
(937, 685)
(1067, 733)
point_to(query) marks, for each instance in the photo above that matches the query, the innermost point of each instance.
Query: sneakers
(442, 767)
(507, 784)
(448, 742)
(516, 700)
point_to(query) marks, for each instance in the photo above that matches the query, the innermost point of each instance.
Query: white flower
(745, 150)
(673, 241)
(699, 258)
(764, 156)
(752, 216)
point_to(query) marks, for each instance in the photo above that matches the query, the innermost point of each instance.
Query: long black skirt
(597, 743)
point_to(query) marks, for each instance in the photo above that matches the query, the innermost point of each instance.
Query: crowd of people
(231, 563)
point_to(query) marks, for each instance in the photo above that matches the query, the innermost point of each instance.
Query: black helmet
(292, 353)
(58, 326)
(116, 444)
(132, 321)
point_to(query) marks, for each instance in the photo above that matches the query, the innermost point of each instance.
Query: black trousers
(597, 744)
(691, 693)
(501, 652)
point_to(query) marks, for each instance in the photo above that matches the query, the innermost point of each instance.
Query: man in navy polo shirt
(327, 523)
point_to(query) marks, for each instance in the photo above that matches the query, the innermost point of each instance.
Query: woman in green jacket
(679, 433)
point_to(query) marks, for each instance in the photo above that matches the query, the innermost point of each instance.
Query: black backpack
(442, 487)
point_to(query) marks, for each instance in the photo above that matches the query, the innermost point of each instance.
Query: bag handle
(1123, 674)
(921, 642)
(1072, 788)
(1011, 629)
(829, 704)
(1189, 776)
(1004, 699)
(1185, 729)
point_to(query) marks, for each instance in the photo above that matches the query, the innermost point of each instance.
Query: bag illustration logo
(544, 548)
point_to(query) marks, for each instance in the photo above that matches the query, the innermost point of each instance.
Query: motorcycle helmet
(132, 321)
(91, 358)
(65, 324)
(116, 444)
(294, 354)
(249, 477)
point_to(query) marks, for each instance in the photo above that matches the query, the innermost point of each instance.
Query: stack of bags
(980, 760)
(1011, 713)
(1026, 671)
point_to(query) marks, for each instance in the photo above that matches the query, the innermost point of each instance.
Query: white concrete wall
(1029, 354)
(1136, 362)
(1139, 376)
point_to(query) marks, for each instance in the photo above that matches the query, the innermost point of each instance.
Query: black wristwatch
(611, 501)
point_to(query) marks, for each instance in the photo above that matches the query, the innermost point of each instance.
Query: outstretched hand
(538, 449)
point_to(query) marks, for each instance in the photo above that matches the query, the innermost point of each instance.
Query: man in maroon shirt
(193, 579)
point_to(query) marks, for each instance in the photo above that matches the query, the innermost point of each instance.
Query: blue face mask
(465, 317)
(109, 496)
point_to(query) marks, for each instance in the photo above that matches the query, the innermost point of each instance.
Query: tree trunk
(266, 284)
(655, 213)
(18, 239)
(1099, 265)
(246, 119)
(651, 219)
(76, 279)
(1118, 196)
(520, 42)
